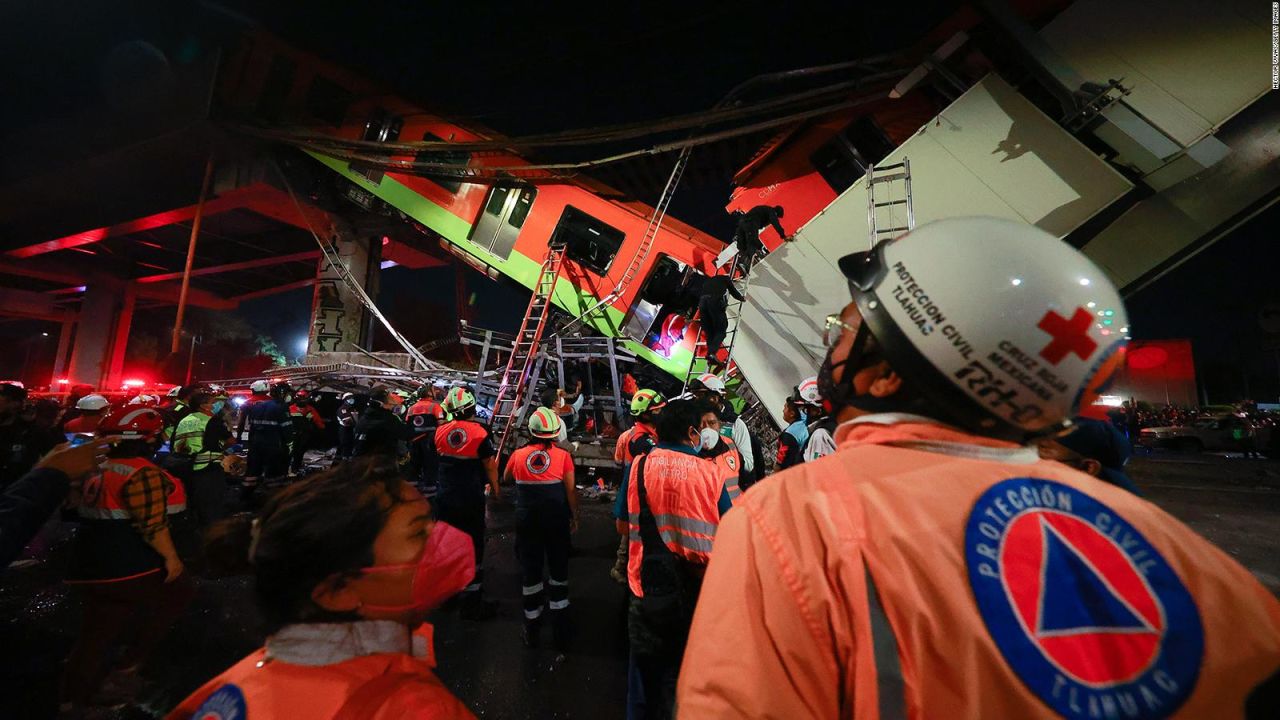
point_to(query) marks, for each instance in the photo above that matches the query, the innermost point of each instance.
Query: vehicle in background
(1220, 433)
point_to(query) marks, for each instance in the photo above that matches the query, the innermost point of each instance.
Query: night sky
(522, 68)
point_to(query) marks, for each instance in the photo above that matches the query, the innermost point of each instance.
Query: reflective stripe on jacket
(902, 523)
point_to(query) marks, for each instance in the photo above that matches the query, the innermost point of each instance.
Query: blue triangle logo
(1074, 598)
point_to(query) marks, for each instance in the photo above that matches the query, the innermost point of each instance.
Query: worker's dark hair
(548, 397)
(680, 415)
(379, 393)
(9, 391)
(779, 209)
(308, 532)
(186, 392)
(199, 398)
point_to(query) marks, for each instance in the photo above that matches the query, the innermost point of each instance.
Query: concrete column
(105, 301)
(64, 345)
(120, 338)
(338, 319)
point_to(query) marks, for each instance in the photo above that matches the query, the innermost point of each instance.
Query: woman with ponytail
(346, 566)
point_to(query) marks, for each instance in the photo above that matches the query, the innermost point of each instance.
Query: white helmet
(143, 400)
(92, 403)
(173, 391)
(259, 386)
(999, 327)
(712, 382)
(807, 391)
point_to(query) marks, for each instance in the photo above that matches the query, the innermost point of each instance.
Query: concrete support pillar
(339, 320)
(120, 337)
(64, 346)
(105, 317)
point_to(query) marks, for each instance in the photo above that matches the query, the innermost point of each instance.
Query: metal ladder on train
(896, 173)
(509, 405)
(733, 314)
(646, 244)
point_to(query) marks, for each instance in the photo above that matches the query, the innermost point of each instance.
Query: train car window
(496, 201)
(327, 101)
(448, 157)
(590, 242)
(664, 283)
(380, 127)
(276, 87)
(845, 158)
(524, 204)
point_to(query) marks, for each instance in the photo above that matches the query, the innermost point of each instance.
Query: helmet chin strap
(837, 394)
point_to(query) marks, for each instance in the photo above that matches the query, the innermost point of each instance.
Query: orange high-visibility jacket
(925, 573)
(259, 688)
(687, 495)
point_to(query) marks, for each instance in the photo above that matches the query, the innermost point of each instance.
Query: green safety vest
(189, 440)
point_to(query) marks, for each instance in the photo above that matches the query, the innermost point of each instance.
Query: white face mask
(710, 438)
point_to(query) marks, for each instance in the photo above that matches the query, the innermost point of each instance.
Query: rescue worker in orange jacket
(718, 447)
(347, 564)
(546, 514)
(124, 563)
(467, 461)
(635, 441)
(423, 417)
(674, 503)
(935, 566)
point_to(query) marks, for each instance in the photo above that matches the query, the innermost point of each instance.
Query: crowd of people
(933, 541)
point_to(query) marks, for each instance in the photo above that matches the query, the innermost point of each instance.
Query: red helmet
(301, 395)
(133, 422)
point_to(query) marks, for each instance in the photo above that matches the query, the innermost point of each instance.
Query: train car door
(667, 290)
(503, 215)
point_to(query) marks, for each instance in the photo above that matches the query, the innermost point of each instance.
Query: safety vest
(540, 464)
(189, 440)
(107, 547)
(684, 494)
(424, 417)
(377, 686)
(730, 462)
(924, 572)
(458, 445)
(103, 498)
(622, 451)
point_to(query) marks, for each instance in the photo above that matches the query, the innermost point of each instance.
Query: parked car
(1217, 432)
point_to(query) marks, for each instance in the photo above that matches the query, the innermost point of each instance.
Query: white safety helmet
(92, 403)
(144, 400)
(259, 386)
(998, 326)
(712, 382)
(807, 392)
(173, 391)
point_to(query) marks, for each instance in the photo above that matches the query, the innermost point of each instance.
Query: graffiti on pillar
(329, 315)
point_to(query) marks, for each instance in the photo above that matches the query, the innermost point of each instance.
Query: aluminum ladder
(509, 405)
(895, 175)
(646, 244)
(733, 314)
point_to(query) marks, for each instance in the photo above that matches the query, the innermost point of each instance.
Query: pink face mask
(447, 565)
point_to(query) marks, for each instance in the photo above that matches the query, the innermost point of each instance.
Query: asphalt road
(1232, 501)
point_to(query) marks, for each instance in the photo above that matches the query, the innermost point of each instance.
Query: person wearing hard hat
(347, 414)
(124, 565)
(675, 500)
(423, 418)
(177, 406)
(711, 388)
(635, 441)
(270, 430)
(92, 409)
(935, 565)
(822, 428)
(202, 435)
(467, 461)
(379, 431)
(306, 422)
(260, 392)
(546, 514)
(804, 399)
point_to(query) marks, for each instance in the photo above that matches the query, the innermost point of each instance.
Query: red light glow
(64, 381)
(134, 383)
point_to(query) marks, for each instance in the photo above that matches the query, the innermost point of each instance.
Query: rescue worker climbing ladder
(546, 514)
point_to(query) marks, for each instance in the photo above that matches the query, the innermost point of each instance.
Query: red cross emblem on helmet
(1069, 336)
